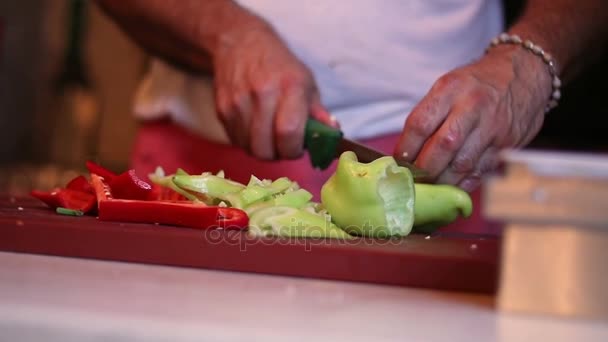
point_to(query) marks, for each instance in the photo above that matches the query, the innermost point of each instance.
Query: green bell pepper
(370, 199)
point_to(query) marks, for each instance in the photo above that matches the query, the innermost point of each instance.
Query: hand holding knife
(325, 143)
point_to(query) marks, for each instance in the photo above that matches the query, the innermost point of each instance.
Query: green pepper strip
(68, 212)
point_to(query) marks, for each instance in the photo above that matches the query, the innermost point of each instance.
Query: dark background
(578, 124)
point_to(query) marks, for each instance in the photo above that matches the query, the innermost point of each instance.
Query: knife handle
(322, 142)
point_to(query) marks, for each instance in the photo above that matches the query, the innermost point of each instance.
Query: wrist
(232, 23)
(531, 62)
(235, 35)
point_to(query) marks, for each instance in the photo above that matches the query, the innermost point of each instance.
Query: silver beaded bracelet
(556, 94)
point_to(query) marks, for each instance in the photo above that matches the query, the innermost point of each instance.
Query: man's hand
(264, 94)
(472, 112)
(498, 102)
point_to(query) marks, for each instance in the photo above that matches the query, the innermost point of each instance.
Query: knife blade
(367, 154)
(325, 143)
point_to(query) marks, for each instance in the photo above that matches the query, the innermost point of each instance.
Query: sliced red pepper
(232, 218)
(67, 198)
(80, 183)
(176, 213)
(77, 200)
(100, 170)
(49, 198)
(173, 213)
(102, 189)
(128, 185)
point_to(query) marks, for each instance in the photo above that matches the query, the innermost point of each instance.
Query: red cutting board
(445, 261)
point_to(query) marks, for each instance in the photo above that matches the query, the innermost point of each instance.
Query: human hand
(471, 113)
(264, 94)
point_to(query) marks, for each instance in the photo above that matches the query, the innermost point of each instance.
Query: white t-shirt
(373, 60)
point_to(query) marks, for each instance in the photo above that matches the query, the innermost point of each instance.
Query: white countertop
(64, 299)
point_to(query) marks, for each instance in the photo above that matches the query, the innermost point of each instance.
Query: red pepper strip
(176, 213)
(67, 198)
(173, 213)
(232, 218)
(80, 183)
(49, 198)
(128, 185)
(100, 170)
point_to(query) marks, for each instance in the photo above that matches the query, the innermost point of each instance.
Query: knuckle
(264, 87)
(296, 81)
(421, 125)
(450, 142)
(447, 81)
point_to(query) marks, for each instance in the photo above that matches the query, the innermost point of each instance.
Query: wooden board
(445, 261)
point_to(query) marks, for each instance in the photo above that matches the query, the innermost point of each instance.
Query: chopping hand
(324, 144)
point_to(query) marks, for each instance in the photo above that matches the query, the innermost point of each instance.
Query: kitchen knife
(325, 143)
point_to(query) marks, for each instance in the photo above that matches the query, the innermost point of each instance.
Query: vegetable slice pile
(275, 208)
(127, 198)
(377, 199)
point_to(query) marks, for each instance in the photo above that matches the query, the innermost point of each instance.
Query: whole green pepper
(439, 205)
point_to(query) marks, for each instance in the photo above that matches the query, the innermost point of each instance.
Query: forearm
(573, 31)
(186, 32)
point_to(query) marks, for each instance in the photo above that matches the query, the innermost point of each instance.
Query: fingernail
(333, 121)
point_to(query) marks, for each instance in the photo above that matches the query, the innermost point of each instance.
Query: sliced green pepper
(298, 199)
(159, 178)
(258, 191)
(292, 222)
(68, 212)
(212, 186)
(371, 199)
